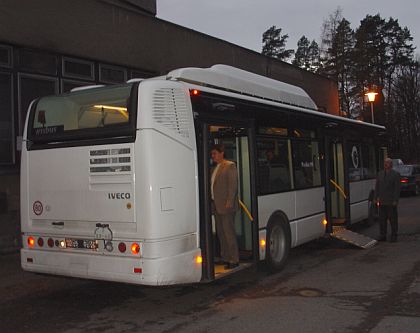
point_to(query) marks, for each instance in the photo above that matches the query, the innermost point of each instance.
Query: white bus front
(109, 185)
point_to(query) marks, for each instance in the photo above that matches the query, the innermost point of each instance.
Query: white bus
(115, 180)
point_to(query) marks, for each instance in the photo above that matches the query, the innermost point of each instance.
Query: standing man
(224, 195)
(387, 194)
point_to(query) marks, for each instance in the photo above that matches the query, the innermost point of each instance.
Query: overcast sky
(243, 21)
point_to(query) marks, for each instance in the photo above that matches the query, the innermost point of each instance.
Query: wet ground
(327, 286)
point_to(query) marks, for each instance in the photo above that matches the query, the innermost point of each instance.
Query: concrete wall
(9, 213)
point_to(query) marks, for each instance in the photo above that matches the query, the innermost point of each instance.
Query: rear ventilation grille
(170, 110)
(114, 160)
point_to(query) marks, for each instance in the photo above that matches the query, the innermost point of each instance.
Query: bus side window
(368, 161)
(273, 165)
(306, 164)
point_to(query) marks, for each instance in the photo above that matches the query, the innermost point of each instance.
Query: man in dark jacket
(387, 192)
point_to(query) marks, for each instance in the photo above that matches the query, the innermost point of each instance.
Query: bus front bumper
(178, 269)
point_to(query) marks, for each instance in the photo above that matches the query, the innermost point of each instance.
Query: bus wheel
(278, 244)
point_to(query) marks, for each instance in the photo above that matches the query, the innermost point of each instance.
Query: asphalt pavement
(327, 286)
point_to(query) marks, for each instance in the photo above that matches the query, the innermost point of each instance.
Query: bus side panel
(359, 195)
(166, 184)
(270, 203)
(166, 140)
(310, 212)
(305, 209)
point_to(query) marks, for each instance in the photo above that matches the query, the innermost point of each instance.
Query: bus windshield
(81, 114)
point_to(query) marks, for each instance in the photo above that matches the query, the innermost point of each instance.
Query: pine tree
(314, 56)
(274, 44)
(338, 63)
(369, 70)
(302, 53)
(328, 31)
(405, 142)
(382, 49)
(307, 55)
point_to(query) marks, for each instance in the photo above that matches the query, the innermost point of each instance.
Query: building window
(78, 69)
(30, 88)
(38, 62)
(138, 74)
(5, 56)
(306, 164)
(6, 123)
(112, 74)
(68, 85)
(354, 162)
(273, 165)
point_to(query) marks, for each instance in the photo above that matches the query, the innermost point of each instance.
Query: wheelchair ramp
(353, 238)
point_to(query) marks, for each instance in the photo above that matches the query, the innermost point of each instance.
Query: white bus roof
(228, 80)
(238, 80)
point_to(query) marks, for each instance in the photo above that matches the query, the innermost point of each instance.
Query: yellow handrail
(338, 187)
(244, 207)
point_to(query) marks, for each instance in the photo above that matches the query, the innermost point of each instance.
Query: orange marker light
(135, 248)
(262, 242)
(195, 92)
(199, 259)
(31, 241)
(324, 222)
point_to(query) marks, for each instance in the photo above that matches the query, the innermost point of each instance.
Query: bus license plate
(81, 243)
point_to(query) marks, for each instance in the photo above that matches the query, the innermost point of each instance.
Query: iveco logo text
(118, 195)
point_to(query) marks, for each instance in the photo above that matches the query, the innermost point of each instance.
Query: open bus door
(337, 193)
(238, 149)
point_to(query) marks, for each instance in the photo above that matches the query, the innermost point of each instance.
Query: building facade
(50, 46)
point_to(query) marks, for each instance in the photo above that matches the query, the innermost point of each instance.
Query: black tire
(278, 243)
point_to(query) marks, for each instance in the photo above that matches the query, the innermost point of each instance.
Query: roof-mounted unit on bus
(94, 86)
(134, 80)
(246, 83)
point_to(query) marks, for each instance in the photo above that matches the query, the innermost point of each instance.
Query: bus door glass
(336, 179)
(236, 144)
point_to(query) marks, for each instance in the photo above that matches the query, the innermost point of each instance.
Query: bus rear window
(80, 114)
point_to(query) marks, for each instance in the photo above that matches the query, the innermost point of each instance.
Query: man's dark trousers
(388, 212)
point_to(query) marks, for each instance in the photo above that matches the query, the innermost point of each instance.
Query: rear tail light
(404, 180)
(50, 242)
(40, 242)
(135, 248)
(31, 241)
(122, 247)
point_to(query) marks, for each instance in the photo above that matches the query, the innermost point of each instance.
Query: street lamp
(371, 98)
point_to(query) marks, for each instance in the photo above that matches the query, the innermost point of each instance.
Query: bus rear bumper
(178, 269)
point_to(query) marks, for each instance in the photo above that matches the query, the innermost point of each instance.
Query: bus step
(353, 238)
